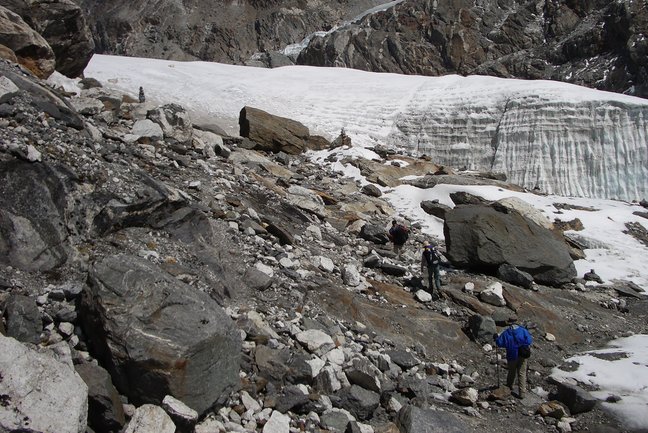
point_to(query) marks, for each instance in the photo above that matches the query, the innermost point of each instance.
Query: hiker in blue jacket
(516, 340)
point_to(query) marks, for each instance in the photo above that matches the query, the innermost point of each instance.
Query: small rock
(150, 419)
(423, 296)
(466, 396)
(314, 339)
(552, 409)
(351, 276)
(249, 402)
(371, 190)
(493, 294)
(324, 263)
(178, 411)
(278, 423)
(33, 155)
(592, 276)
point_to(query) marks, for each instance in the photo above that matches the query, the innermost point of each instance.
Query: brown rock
(273, 133)
(62, 24)
(501, 393)
(8, 54)
(31, 49)
(553, 409)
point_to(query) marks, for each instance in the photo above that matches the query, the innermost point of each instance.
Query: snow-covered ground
(368, 106)
(624, 375)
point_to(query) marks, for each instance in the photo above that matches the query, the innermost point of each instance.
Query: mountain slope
(222, 31)
(598, 44)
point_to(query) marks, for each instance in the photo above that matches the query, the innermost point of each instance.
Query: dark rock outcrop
(374, 233)
(231, 33)
(276, 134)
(30, 48)
(483, 237)
(63, 25)
(33, 202)
(359, 401)
(44, 99)
(513, 275)
(598, 44)
(482, 328)
(158, 336)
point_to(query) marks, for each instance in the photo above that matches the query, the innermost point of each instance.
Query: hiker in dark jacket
(398, 234)
(142, 98)
(431, 261)
(516, 340)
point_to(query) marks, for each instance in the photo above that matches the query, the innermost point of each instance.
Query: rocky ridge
(197, 282)
(244, 32)
(598, 44)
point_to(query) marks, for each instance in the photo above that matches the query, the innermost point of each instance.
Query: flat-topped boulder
(277, 134)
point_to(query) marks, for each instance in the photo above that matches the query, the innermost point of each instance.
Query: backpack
(525, 350)
(432, 256)
(400, 233)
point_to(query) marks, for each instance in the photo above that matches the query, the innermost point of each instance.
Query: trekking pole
(498, 366)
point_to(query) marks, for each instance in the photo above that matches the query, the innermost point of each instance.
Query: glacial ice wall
(585, 148)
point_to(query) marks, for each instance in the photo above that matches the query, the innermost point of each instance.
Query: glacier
(550, 136)
(594, 146)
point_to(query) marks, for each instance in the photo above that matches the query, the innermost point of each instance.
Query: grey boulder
(24, 321)
(159, 336)
(484, 237)
(33, 202)
(40, 392)
(575, 398)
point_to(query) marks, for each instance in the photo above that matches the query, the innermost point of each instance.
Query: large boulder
(30, 48)
(274, 133)
(63, 25)
(483, 237)
(159, 336)
(33, 201)
(40, 390)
